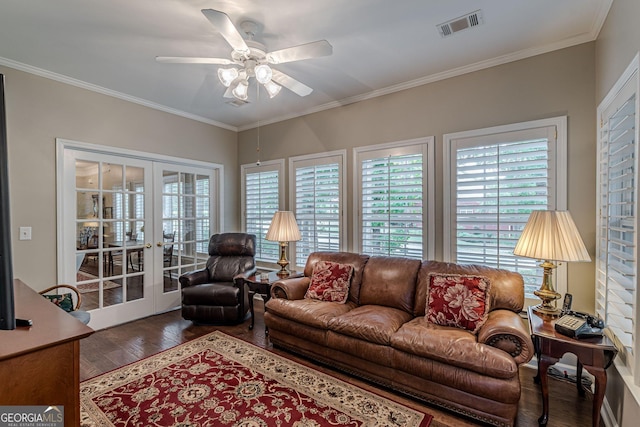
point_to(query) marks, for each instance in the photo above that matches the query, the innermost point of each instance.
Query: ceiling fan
(250, 59)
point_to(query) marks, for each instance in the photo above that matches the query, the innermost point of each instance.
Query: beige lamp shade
(283, 228)
(551, 235)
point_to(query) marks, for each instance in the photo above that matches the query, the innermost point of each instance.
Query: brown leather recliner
(218, 294)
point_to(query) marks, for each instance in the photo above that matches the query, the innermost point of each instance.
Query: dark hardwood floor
(111, 348)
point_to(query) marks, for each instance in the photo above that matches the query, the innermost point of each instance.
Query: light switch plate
(25, 233)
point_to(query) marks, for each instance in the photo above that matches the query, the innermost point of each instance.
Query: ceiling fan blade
(290, 83)
(191, 60)
(300, 52)
(225, 27)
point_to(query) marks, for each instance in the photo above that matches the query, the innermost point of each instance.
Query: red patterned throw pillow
(330, 282)
(460, 301)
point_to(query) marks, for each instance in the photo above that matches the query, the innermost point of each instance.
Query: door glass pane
(86, 174)
(109, 258)
(185, 224)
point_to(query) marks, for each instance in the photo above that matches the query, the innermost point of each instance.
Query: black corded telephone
(578, 325)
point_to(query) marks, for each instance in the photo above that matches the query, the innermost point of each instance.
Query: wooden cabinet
(40, 365)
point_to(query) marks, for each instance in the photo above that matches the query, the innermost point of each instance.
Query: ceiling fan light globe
(263, 73)
(272, 88)
(241, 90)
(227, 75)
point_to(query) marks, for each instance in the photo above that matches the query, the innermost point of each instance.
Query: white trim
(115, 94)
(342, 154)
(428, 176)
(270, 165)
(63, 144)
(142, 155)
(622, 81)
(560, 190)
(631, 380)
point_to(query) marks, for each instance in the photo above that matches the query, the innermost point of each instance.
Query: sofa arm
(505, 330)
(194, 278)
(291, 289)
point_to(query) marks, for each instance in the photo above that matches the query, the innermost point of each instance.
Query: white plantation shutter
(495, 181)
(202, 216)
(616, 257)
(394, 200)
(261, 201)
(317, 194)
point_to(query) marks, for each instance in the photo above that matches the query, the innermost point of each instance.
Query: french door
(183, 211)
(133, 225)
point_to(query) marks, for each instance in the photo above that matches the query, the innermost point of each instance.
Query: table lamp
(283, 229)
(550, 236)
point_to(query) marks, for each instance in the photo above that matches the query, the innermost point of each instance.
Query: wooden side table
(594, 354)
(263, 287)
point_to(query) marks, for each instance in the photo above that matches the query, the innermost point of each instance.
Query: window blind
(616, 264)
(391, 205)
(317, 209)
(202, 214)
(496, 188)
(261, 202)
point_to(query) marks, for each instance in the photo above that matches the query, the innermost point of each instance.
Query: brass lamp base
(283, 262)
(546, 293)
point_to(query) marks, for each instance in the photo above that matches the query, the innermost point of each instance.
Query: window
(317, 199)
(394, 190)
(262, 189)
(494, 178)
(617, 228)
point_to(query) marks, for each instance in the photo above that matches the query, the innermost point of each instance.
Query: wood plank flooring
(111, 348)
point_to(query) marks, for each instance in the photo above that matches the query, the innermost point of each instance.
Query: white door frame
(170, 299)
(66, 258)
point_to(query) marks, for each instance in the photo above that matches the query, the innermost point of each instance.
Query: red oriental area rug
(218, 380)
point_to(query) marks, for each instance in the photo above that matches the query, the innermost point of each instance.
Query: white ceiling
(379, 46)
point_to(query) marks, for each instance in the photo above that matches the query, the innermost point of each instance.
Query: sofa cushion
(453, 346)
(310, 312)
(330, 282)
(390, 282)
(358, 261)
(507, 287)
(371, 323)
(457, 300)
(64, 301)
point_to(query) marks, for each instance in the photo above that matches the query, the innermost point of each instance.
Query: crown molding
(478, 66)
(115, 94)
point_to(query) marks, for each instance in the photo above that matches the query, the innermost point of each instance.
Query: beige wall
(40, 110)
(617, 45)
(555, 84)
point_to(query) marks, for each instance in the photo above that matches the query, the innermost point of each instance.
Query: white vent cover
(237, 102)
(462, 23)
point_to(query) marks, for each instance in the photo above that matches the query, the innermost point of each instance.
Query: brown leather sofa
(381, 334)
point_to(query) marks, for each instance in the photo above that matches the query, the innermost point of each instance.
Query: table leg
(536, 347)
(265, 299)
(598, 396)
(251, 295)
(544, 362)
(579, 379)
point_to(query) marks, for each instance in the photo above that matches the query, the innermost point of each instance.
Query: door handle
(159, 244)
(148, 245)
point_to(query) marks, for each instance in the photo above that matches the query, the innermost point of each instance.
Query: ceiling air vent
(462, 23)
(237, 102)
